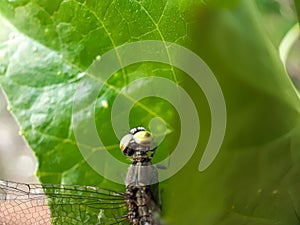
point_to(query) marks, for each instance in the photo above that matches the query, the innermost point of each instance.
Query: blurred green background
(254, 180)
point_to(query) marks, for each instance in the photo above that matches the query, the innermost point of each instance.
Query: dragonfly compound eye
(143, 137)
(124, 143)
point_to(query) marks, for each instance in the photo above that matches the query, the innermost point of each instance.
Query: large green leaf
(254, 179)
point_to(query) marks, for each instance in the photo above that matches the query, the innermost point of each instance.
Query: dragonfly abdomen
(142, 206)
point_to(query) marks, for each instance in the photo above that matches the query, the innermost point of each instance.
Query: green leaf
(255, 177)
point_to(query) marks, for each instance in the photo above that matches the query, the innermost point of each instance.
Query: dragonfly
(39, 204)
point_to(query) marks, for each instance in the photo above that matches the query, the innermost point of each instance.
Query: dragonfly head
(138, 140)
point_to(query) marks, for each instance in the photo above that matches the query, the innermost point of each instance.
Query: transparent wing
(30, 204)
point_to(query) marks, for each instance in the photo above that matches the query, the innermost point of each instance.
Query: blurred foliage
(277, 17)
(254, 179)
(267, 6)
(297, 4)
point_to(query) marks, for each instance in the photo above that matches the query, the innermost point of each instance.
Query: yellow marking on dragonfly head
(143, 137)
